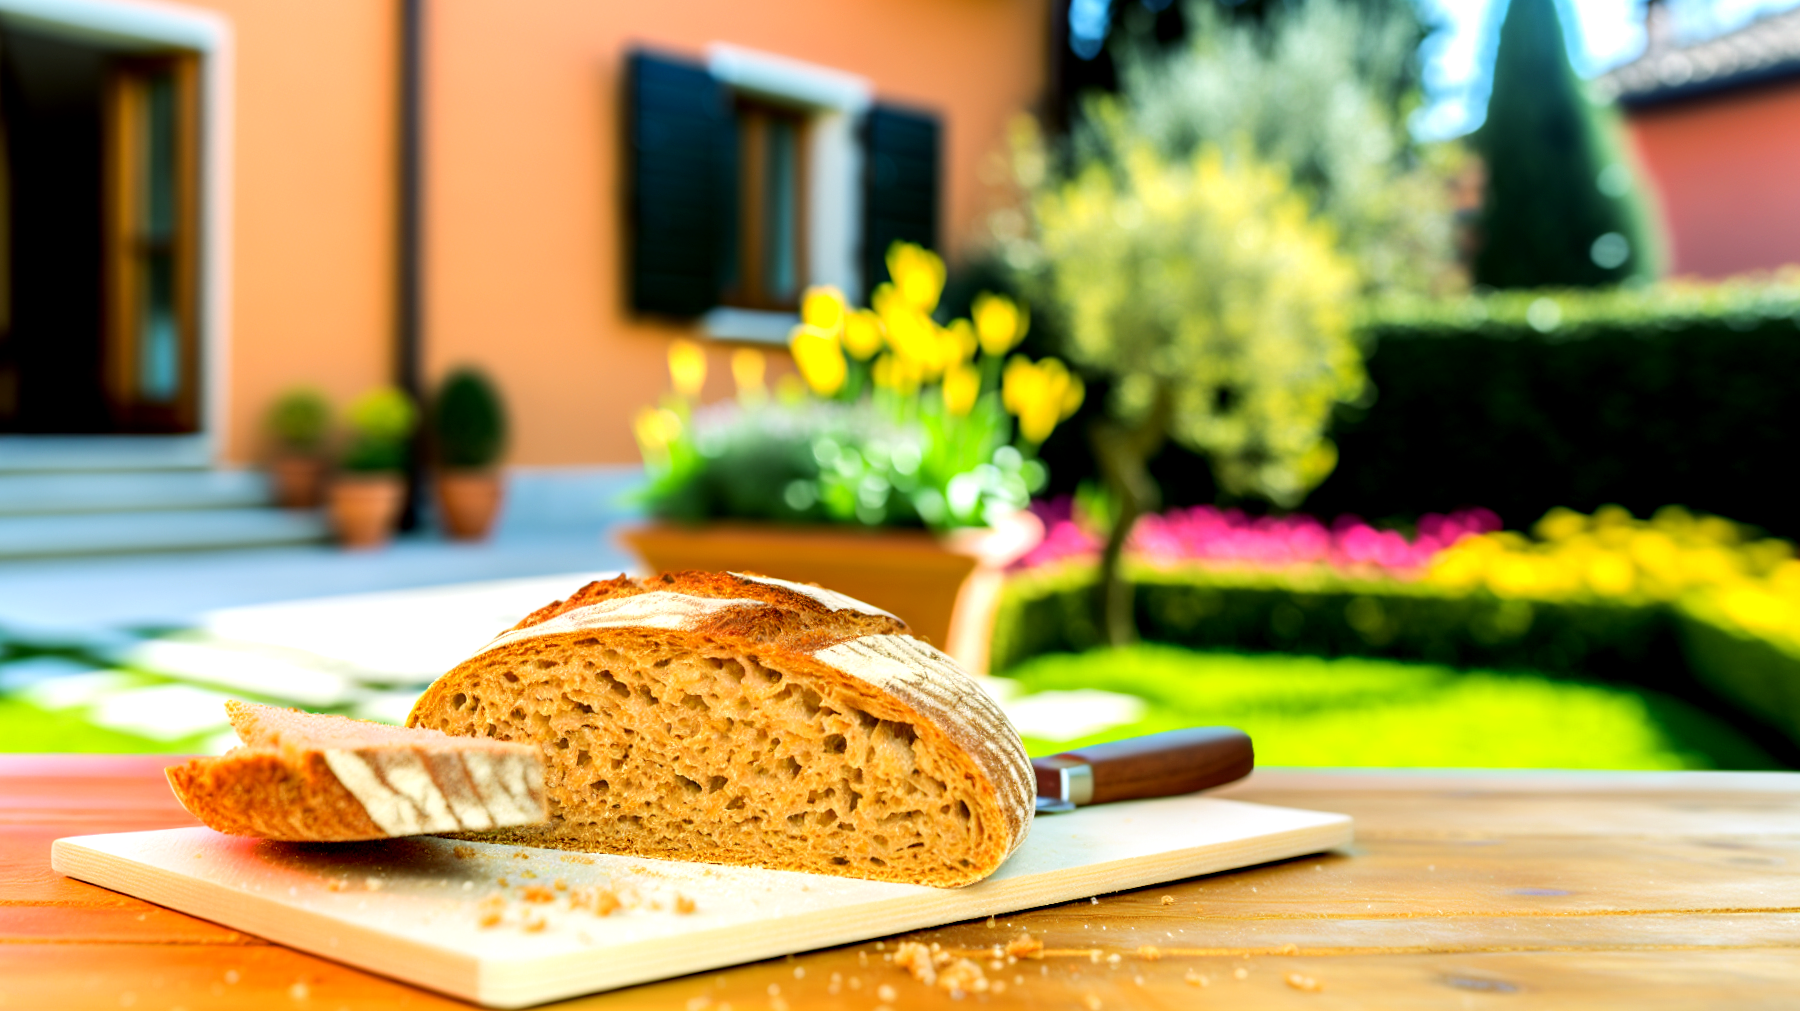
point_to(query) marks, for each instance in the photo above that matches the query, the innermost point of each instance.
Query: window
(754, 176)
(768, 266)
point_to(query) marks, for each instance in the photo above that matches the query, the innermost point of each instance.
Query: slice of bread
(746, 720)
(304, 777)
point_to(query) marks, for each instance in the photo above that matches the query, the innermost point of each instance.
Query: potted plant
(891, 469)
(298, 423)
(369, 488)
(468, 433)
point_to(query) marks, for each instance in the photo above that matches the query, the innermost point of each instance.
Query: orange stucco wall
(525, 198)
(311, 265)
(524, 212)
(1725, 169)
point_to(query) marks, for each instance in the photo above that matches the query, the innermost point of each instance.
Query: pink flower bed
(1204, 533)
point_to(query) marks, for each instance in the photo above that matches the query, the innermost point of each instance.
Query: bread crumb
(372, 884)
(521, 855)
(990, 923)
(916, 959)
(537, 893)
(856, 982)
(1139, 980)
(885, 993)
(461, 852)
(1195, 979)
(335, 885)
(1113, 959)
(1306, 983)
(1091, 1002)
(700, 1003)
(1240, 973)
(503, 882)
(962, 976)
(533, 923)
(1149, 952)
(999, 987)
(1094, 955)
(1168, 900)
(599, 901)
(685, 905)
(1025, 946)
(489, 911)
(560, 885)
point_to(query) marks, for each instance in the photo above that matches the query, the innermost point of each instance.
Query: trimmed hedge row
(1650, 645)
(1521, 401)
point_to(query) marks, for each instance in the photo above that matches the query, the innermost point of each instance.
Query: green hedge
(1324, 614)
(1521, 401)
(1756, 675)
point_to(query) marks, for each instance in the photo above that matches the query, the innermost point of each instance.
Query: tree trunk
(1124, 456)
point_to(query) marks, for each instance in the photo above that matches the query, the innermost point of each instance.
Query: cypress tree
(1561, 206)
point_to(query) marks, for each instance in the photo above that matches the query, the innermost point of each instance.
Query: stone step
(99, 533)
(130, 491)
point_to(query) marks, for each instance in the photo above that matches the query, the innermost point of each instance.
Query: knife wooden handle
(1157, 765)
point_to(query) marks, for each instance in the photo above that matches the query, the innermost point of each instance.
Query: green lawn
(25, 727)
(1309, 711)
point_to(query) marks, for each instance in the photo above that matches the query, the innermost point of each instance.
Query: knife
(1168, 764)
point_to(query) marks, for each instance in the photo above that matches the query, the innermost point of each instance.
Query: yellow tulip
(1000, 321)
(918, 273)
(1038, 395)
(897, 373)
(962, 341)
(747, 370)
(823, 308)
(863, 334)
(962, 384)
(820, 358)
(687, 367)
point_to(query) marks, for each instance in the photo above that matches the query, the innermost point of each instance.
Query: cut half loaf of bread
(741, 719)
(304, 777)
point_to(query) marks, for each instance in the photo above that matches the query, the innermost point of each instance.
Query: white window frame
(128, 25)
(835, 102)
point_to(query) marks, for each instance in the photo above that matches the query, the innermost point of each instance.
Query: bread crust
(305, 777)
(862, 658)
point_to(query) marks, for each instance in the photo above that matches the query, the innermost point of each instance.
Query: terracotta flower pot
(946, 588)
(468, 501)
(365, 508)
(299, 481)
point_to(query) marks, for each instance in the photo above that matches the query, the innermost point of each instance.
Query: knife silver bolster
(1077, 784)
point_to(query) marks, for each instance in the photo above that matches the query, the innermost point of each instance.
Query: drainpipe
(409, 274)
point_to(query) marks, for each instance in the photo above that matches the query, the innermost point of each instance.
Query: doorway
(99, 192)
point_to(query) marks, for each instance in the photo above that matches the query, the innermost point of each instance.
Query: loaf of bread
(741, 719)
(304, 777)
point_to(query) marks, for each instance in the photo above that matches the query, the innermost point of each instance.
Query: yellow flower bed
(1714, 568)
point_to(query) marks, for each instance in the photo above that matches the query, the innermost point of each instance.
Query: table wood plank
(1478, 890)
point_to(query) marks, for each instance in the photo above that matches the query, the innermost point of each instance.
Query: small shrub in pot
(369, 489)
(298, 425)
(468, 435)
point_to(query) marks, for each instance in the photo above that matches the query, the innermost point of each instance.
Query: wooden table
(1464, 890)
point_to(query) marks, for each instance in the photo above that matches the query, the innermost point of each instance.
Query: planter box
(946, 588)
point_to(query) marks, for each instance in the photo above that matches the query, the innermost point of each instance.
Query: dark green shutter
(683, 185)
(900, 200)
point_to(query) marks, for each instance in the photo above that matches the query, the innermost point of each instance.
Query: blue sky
(1601, 34)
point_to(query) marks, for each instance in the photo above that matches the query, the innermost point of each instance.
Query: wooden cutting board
(506, 926)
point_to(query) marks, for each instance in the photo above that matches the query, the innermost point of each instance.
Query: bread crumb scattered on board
(461, 852)
(1195, 979)
(1149, 952)
(1300, 982)
(1168, 900)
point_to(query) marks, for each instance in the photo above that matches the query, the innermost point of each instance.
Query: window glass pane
(159, 159)
(158, 343)
(780, 201)
(159, 346)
